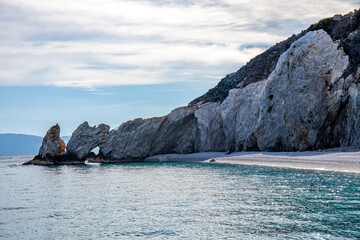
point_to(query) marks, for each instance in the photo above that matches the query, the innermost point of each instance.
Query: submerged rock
(86, 138)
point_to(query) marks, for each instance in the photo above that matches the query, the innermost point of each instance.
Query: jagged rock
(52, 143)
(211, 136)
(86, 138)
(139, 138)
(52, 150)
(177, 134)
(256, 70)
(132, 140)
(240, 112)
(301, 93)
(351, 129)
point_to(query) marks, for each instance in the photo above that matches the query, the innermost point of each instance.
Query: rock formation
(86, 138)
(240, 112)
(301, 94)
(52, 148)
(210, 130)
(132, 140)
(350, 130)
(177, 133)
(83, 140)
(257, 69)
(52, 144)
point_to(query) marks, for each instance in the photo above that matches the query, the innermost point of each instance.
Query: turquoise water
(175, 201)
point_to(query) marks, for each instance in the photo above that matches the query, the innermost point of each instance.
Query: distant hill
(12, 144)
(17, 144)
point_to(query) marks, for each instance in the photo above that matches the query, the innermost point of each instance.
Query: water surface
(175, 201)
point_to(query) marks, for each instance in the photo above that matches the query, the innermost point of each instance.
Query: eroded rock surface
(351, 127)
(240, 113)
(177, 134)
(86, 138)
(210, 130)
(303, 91)
(139, 138)
(52, 150)
(52, 144)
(132, 140)
(256, 70)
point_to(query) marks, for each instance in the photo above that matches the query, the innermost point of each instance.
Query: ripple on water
(176, 201)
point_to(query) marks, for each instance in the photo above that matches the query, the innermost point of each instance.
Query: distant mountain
(17, 144)
(11, 144)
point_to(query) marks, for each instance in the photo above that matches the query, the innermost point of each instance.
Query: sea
(163, 200)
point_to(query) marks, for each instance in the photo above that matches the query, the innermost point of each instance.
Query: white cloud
(96, 43)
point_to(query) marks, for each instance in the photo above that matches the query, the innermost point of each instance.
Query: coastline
(337, 159)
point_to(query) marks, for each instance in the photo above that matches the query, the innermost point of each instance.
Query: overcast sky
(109, 61)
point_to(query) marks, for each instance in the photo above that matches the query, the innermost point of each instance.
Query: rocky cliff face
(86, 138)
(349, 131)
(132, 140)
(177, 133)
(257, 69)
(301, 94)
(240, 113)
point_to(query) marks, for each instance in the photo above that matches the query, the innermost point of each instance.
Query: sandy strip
(343, 160)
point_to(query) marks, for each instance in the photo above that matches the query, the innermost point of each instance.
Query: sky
(110, 61)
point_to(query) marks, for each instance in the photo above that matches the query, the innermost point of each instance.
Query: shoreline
(339, 159)
(336, 159)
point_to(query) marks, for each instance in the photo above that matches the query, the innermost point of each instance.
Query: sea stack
(52, 148)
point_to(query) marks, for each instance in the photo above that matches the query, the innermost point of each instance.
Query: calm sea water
(175, 201)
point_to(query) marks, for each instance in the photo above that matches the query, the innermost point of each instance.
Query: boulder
(302, 95)
(86, 138)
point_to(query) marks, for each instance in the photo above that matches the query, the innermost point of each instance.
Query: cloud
(90, 44)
